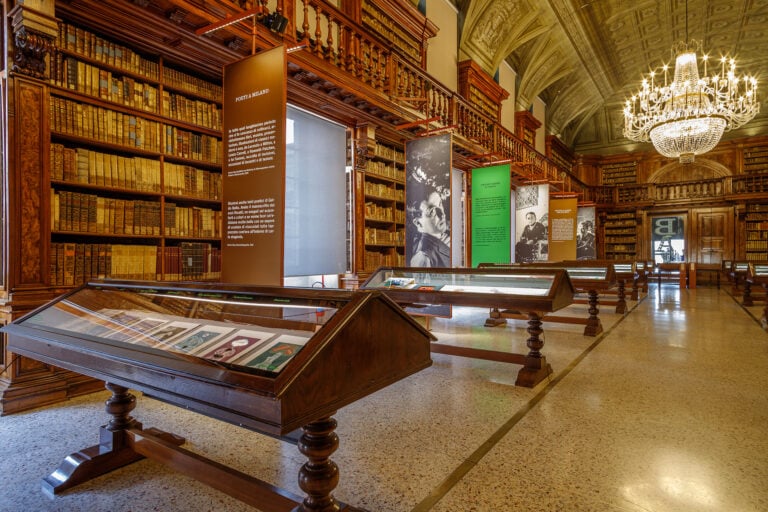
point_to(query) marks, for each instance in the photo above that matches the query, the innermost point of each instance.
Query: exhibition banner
(253, 173)
(428, 201)
(562, 228)
(531, 220)
(491, 215)
(586, 248)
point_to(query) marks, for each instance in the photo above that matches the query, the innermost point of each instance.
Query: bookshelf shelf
(620, 235)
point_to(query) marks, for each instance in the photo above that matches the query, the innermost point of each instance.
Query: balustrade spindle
(318, 33)
(305, 22)
(331, 57)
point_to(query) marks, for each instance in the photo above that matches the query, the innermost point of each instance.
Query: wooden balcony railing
(354, 53)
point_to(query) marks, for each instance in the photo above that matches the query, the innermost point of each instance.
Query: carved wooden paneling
(31, 151)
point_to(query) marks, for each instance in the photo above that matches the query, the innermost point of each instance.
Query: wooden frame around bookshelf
(59, 77)
(135, 165)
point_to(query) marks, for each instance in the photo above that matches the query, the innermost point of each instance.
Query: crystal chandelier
(688, 116)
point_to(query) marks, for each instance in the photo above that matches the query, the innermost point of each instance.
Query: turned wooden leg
(594, 326)
(319, 476)
(635, 293)
(746, 298)
(621, 304)
(111, 452)
(536, 367)
(495, 319)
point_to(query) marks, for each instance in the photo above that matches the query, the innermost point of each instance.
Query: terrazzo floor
(667, 410)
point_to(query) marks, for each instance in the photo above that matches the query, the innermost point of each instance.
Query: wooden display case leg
(621, 304)
(746, 298)
(536, 367)
(594, 326)
(112, 452)
(495, 319)
(319, 476)
(635, 293)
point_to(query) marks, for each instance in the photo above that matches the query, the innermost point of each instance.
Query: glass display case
(757, 274)
(589, 277)
(266, 358)
(530, 291)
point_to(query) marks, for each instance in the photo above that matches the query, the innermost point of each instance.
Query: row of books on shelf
(245, 346)
(185, 180)
(76, 263)
(193, 146)
(391, 153)
(384, 236)
(620, 247)
(73, 74)
(383, 190)
(195, 85)
(81, 165)
(756, 256)
(375, 211)
(758, 232)
(78, 40)
(76, 75)
(757, 245)
(385, 170)
(376, 259)
(613, 224)
(104, 125)
(620, 239)
(90, 213)
(757, 207)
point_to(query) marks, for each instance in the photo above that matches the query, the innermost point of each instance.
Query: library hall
(384, 256)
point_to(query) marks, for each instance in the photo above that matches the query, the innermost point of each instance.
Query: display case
(757, 274)
(586, 276)
(532, 291)
(268, 359)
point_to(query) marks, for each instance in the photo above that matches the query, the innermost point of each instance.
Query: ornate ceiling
(585, 57)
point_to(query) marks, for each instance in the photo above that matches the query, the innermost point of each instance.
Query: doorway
(668, 238)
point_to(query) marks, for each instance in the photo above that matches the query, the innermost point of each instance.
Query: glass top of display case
(464, 280)
(534, 288)
(250, 332)
(758, 270)
(577, 270)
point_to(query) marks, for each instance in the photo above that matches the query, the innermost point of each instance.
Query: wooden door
(714, 235)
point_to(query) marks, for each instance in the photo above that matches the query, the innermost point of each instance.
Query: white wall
(539, 112)
(507, 77)
(442, 52)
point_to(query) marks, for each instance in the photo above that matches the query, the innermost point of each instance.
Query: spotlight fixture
(275, 22)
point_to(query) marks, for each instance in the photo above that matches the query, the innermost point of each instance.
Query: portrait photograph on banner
(428, 201)
(532, 219)
(586, 247)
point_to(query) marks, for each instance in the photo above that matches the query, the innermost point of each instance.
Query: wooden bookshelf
(381, 194)
(620, 236)
(756, 159)
(756, 232)
(135, 165)
(618, 173)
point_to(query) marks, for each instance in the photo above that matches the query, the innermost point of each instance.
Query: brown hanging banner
(254, 169)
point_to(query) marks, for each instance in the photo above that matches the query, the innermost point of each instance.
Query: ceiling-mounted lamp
(688, 116)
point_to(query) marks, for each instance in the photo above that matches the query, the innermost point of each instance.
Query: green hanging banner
(491, 215)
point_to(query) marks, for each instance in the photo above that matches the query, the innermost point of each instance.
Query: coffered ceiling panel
(585, 57)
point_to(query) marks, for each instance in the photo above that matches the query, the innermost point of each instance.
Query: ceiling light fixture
(688, 116)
